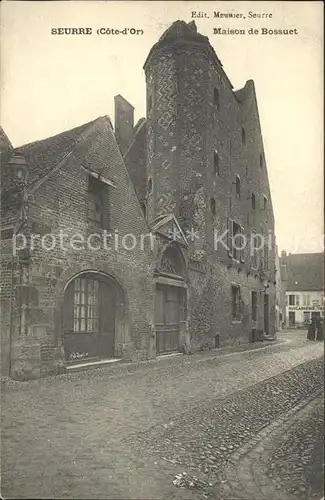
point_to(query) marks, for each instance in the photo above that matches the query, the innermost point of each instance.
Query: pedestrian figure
(311, 330)
(320, 330)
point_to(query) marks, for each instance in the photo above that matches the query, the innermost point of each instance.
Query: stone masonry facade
(193, 170)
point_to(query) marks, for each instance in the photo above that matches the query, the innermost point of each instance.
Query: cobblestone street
(234, 423)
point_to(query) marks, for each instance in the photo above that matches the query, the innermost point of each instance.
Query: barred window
(86, 305)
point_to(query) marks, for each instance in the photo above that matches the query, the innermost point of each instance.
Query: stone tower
(177, 91)
(184, 80)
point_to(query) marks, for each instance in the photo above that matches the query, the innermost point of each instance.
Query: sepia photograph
(162, 250)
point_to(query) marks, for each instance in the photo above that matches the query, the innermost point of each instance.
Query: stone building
(144, 240)
(303, 278)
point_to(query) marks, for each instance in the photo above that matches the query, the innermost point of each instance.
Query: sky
(50, 83)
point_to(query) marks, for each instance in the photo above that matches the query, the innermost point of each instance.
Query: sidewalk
(162, 362)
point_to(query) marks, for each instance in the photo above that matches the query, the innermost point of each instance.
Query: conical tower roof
(184, 31)
(181, 32)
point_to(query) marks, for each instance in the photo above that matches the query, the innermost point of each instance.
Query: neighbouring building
(303, 277)
(85, 280)
(279, 293)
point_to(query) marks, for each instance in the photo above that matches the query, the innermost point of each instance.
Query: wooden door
(89, 319)
(167, 318)
(80, 320)
(107, 314)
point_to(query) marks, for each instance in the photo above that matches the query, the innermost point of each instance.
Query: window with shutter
(292, 300)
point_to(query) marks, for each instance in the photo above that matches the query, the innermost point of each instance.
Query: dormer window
(216, 100)
(96, 191)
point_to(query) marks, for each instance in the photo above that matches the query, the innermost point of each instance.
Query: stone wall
(60, 203)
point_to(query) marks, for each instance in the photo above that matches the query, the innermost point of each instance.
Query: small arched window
(216, 164)
(216, 100)
(144, 209)
(253, 201)
(237, 186)
(243, 135)
(149, 185)
(149, 104)
(213, 206)
(264, 202)
(261, 161)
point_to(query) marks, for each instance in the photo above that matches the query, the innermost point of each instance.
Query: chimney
(14, 172)
(124, 122)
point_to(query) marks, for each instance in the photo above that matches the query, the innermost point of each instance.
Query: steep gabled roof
(92, 146)
(42, 156)
(5, 144)
(305, 272)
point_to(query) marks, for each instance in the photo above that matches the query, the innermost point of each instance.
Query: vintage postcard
(162, 250)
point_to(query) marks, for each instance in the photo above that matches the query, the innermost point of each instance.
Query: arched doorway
(170, 302)
(93, 310)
